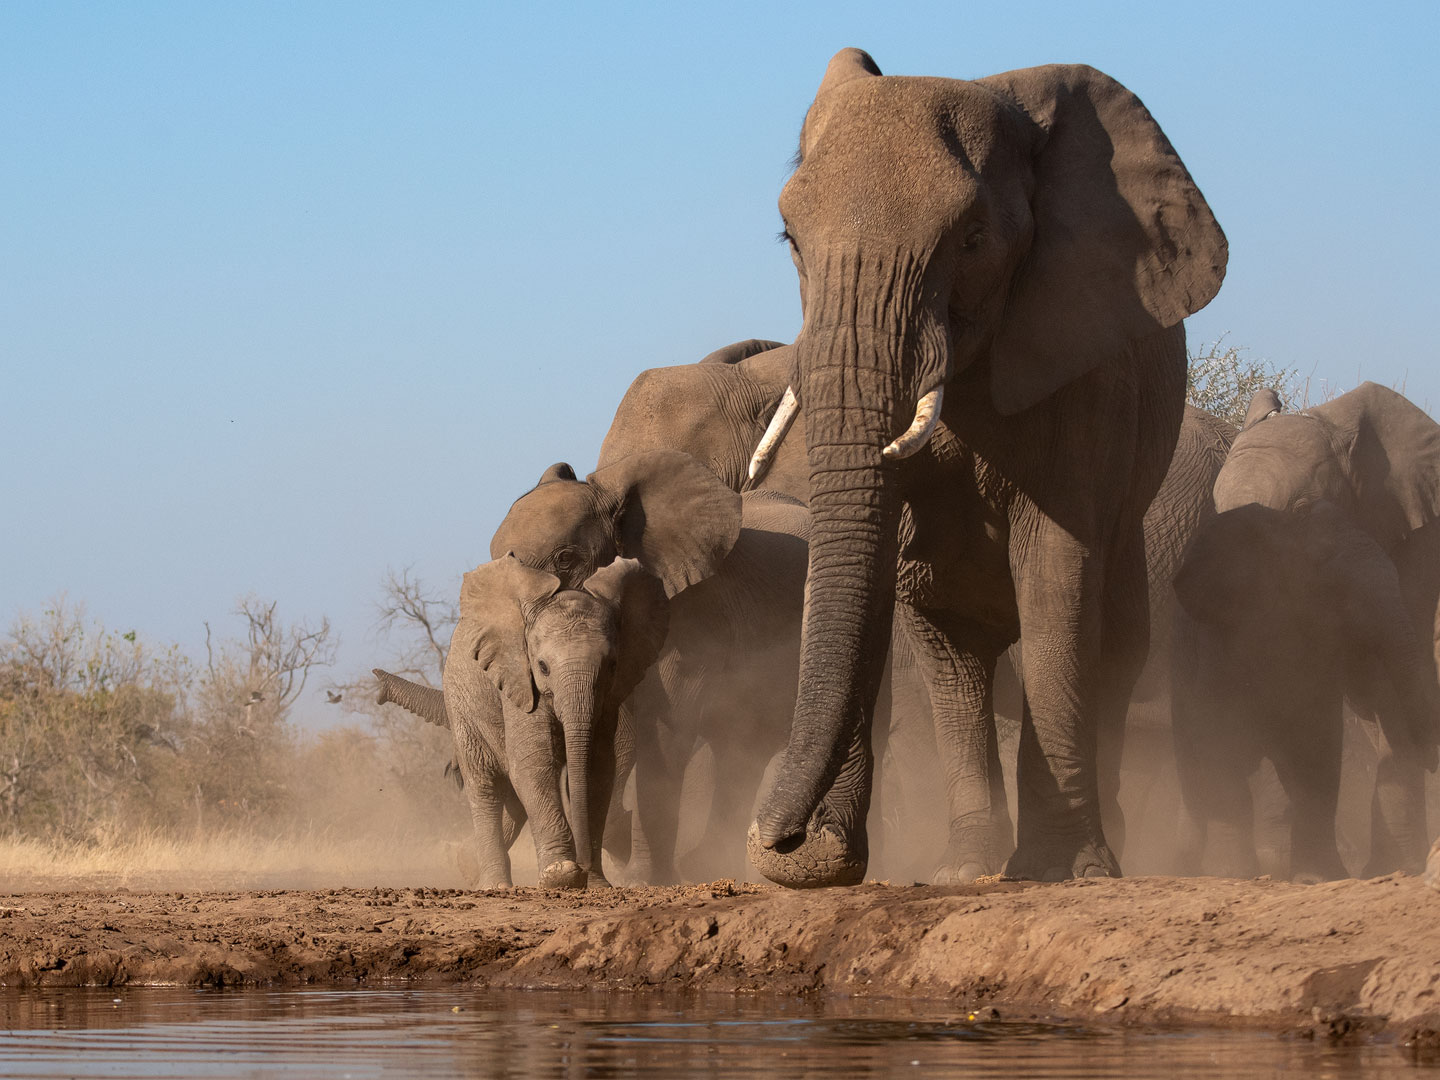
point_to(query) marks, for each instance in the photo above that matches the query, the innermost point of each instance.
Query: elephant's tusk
(774, 434)
(927, 411)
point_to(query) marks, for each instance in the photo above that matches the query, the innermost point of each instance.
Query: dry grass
(232, 860)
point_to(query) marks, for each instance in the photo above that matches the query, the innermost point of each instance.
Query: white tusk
(927, 411)
(775, 433)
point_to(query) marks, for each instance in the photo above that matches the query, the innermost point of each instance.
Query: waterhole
(473, 1033)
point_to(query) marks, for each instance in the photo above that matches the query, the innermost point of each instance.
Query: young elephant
(734, 568)
(533, 681)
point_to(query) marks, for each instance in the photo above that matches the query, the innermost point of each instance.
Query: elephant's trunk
(856, 398)
(575, 704)
(426, 702)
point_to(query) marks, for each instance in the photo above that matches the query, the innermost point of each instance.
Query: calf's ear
(495, 600)
(643, 612)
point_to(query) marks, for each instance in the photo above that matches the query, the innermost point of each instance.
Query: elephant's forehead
(893, 147)
(573, 614)
(551, 516)
(1293, 433)
(1279, 463)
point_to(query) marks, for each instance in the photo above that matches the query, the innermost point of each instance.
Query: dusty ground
(1361, 956)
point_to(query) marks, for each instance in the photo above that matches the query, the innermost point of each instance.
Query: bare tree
(423, 622)
(241, 744)
(1222, 379)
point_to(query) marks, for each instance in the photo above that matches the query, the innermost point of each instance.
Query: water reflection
(456, 1032)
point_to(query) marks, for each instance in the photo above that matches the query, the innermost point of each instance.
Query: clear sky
(291, 293)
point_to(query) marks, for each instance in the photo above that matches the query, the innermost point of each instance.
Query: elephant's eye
(974, 235)
(544, 667)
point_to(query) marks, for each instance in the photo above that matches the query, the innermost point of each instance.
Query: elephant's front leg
(497, 816)
(1306, 753)
(957, 663)
(1398, 830)
(1059, 593)
(534, 766)
(601, 784)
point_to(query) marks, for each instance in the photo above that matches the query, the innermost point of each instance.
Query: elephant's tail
(426, 702)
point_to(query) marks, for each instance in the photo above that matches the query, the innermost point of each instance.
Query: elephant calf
(533, 681)
(726, 675)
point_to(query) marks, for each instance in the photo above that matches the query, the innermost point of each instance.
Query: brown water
(467, 1033)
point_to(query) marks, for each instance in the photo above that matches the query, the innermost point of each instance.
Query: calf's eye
(544, 667)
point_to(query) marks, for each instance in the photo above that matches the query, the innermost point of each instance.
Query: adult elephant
(715, 410)
(994, 272)
(1318, 579)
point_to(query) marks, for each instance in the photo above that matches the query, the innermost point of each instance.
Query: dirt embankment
(1351, 954)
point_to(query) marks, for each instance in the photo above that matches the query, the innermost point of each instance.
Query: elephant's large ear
(644, 612)
(1393, 459)
(494, 599)
(1124, 243)
(670, 512)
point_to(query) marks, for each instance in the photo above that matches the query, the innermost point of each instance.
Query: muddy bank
(1361, 955)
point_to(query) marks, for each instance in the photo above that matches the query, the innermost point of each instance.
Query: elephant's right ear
(1124, 243)
(494, 599)
(670, 512)
(1393, 459)
(1263, 405)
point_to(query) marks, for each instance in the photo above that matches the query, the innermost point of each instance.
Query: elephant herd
(970, 486)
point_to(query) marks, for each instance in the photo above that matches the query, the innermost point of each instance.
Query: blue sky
(292, 293)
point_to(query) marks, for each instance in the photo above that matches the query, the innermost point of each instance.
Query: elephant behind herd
(977, 450)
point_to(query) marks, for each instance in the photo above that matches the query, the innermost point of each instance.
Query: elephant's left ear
(639, 600)
(494, 599)
(671, 512)
(1124, 244)
(1392, 451)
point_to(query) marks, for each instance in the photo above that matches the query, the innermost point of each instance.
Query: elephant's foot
(492, 882)
(1313, 871)
(598, 881)
(961, 873)
(1061, 861)
(973, 853)
(820, 858)
(481, 874)
(1432, 866)
(565, 874)
(1391, 857)
(643, 872)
